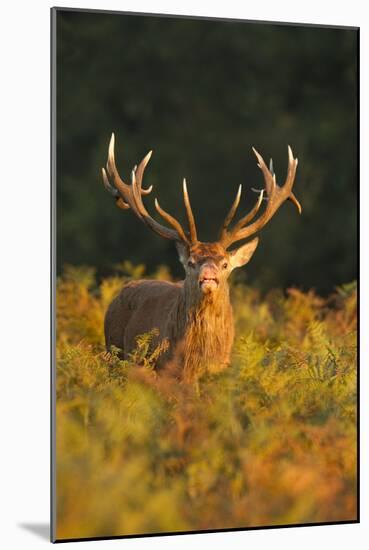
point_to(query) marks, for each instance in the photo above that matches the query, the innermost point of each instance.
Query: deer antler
(130, 196)
(275, 196)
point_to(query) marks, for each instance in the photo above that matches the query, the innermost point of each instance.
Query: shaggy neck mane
(204, 331)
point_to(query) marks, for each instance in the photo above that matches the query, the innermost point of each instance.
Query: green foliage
(269, 441)
(144, 354)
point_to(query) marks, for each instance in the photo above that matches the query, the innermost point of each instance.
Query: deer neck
(201, 307)
(204, 330)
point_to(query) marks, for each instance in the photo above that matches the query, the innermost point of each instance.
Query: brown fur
(197, 325)
(200, 335)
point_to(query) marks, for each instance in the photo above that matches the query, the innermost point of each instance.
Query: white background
(24, 302)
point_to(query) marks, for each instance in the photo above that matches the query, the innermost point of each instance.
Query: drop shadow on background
(42, 530)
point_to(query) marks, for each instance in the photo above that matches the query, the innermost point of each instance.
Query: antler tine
(271, 169)
(190, 216)
(107, 185)
(139, 172)
(292, 167)
(293, 199)
(130, 196)
(172, 221)
(119, 201)
(124, 199)
(269, 177)
(176, 234)
(251, 215)
(291, 170)
(227, 238)
(229, 217)
(276, 195)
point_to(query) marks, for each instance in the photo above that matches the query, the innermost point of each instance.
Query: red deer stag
(193, 316)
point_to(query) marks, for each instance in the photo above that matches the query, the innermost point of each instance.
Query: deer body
(139, 307)
(194, 317)
(199, 334)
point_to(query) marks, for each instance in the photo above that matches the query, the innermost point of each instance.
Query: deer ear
(183, 252)
(242, 255)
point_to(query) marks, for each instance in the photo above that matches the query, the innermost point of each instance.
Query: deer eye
(225, 265)
(190, 263)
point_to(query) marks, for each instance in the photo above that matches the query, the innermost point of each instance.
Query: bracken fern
(269, 441)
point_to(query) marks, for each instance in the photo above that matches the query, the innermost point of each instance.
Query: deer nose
(208, 271)
(208, 280)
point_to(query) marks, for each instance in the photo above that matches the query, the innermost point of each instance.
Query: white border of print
(25, 238)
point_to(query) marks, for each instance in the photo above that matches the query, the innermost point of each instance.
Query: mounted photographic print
(204, 228)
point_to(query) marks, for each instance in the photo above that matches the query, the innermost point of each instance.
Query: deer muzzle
(208, 279)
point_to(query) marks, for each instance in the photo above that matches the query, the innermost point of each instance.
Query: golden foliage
(270, 441)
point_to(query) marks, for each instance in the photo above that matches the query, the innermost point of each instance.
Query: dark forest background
(200, 93)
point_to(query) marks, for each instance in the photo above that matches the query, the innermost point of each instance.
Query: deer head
(207, 265)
